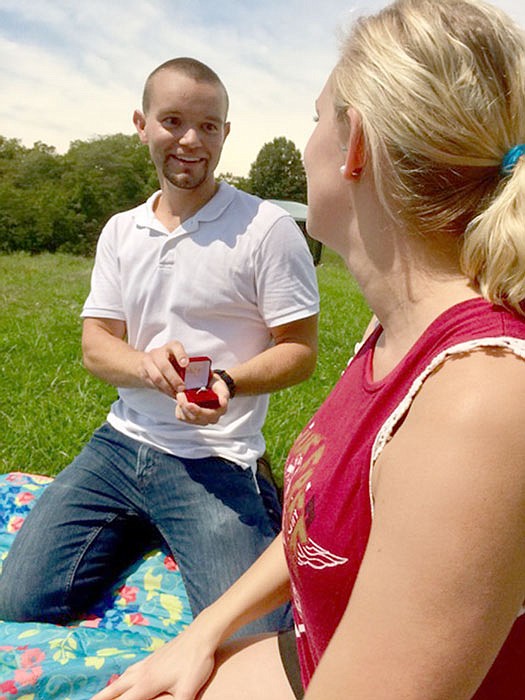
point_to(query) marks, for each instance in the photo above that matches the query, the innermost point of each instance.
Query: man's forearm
(107, 355)
(110, 358)
(278, 367)
(289, 361)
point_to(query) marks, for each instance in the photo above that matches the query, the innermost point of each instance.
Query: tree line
(53, 202)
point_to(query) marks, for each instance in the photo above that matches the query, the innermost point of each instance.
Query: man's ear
(355, 153)
(227, 127)
(140, 125)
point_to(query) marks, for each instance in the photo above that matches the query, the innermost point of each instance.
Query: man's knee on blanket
(17, 606)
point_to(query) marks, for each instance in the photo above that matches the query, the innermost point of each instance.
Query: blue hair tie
(511, 158)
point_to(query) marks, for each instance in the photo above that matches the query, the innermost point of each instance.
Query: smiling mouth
(187, 160)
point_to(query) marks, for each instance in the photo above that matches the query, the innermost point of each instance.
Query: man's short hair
(190, 67)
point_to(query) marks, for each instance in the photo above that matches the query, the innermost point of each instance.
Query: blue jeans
(114, 502)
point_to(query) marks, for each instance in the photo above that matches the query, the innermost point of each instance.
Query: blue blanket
(44, 661)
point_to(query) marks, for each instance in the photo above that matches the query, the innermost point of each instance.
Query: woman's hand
(183, 666)
(178, 670)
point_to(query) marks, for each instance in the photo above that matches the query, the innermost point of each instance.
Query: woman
(404, 519)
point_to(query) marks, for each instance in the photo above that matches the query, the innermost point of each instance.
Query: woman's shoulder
(463, 437)
(476, 400)
(486, 374)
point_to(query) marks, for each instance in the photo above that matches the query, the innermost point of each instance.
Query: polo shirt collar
(211, 211)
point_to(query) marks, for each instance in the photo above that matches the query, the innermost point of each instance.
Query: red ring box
(196, 376)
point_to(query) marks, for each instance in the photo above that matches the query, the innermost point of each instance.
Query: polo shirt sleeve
(285, 275)
(105, 297)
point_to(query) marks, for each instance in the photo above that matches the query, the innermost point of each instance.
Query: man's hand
(191, 413)
(157, 368)
(107, 354)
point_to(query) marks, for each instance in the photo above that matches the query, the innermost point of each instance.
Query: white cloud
(72, 70)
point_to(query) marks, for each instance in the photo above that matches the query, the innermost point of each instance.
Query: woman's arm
(262, 588)
(443, 577)
(182, 666)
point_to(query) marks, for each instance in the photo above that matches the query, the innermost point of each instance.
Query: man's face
(185, 129)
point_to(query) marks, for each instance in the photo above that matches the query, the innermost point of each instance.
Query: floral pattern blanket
(44, 661)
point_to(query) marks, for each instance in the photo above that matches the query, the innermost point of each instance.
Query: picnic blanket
(45, 661)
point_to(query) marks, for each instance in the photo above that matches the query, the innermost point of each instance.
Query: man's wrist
(228, 380)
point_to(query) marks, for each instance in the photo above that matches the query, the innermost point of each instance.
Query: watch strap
(228, 380)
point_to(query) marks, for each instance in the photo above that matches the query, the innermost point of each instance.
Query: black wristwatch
(223, 374)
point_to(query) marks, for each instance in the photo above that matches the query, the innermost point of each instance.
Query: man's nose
(190, 136)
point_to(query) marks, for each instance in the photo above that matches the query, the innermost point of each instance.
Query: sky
(75, 70)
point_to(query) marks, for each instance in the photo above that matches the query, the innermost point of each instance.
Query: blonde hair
(440, 88)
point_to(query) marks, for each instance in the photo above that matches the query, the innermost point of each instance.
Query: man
(200, 269)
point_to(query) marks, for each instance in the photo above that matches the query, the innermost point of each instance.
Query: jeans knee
(25, 604)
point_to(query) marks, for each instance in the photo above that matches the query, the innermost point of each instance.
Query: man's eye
(210, 128)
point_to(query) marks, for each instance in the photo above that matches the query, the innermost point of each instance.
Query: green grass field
(49, 405)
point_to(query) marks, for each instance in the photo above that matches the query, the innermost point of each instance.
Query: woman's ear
(355, 152)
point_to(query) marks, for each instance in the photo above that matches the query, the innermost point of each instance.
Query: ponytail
(493, 253)
(440, 88)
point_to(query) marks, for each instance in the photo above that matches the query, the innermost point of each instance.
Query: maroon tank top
(328, 511)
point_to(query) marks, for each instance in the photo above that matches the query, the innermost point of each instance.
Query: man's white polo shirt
(239, 266)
